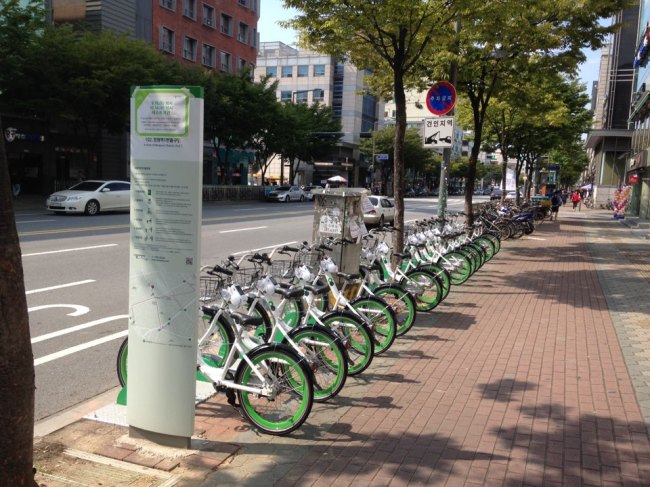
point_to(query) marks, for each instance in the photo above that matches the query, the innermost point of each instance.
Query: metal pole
(446, 153)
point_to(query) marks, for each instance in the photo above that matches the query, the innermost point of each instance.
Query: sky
(273, 10)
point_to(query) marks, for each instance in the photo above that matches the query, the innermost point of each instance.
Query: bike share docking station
(338, 214)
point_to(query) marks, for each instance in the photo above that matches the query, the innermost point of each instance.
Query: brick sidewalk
(517, 379)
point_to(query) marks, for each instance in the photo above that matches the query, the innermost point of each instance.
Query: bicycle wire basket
(210, 286)
(282, 268)
(246, 276)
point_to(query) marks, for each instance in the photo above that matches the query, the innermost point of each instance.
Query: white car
(309, 196)
(287, 193)
(383, 211)
(91, 197)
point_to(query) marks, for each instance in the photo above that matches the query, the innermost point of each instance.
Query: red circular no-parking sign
(441, 98)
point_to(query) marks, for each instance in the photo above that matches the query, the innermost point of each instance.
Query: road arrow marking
(78, 309)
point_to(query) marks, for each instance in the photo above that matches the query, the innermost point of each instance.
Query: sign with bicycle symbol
(438, 132)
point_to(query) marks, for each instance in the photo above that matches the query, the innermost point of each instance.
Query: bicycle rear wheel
(424, 287)
(357, 339)
(291, 390)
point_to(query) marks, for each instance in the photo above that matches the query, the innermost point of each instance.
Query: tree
(306, 133)
(82, 79)
(399, 41)
(501, 41)
(237, 111)
(18, 26)
(417, 158)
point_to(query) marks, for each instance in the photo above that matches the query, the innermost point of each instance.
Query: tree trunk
(16, 359)
(398, 164)
(471, 168)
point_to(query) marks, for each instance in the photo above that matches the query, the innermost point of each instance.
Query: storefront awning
(596, 136)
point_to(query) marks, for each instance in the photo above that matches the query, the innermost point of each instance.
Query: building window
(209, 54)
(319, 94)
(189, 48)
(285, 96)
(208, 16)
(170, 4)
(226, 24)
(319, 70)
(167, 40)
(189, 9)
(243, 3)
(242, 36)
(303, 71)
(272, 71)
(225, 62)
(254, 38)
(242, 64)
(302, 96)
(287, 71)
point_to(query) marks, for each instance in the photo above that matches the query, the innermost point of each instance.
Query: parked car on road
(383, 211)
(495, 194)
(286, 194)
(91, 197)
(309, 196)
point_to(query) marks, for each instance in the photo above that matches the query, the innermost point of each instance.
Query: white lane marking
(245, 209)
(242, 229)
(70, 284)
(535, 238)
(78, 309)
(78, 348)
(69, 250)
(34, 221)
(72, 329)
(267, 247)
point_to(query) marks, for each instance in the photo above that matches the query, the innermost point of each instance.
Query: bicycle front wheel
(288, 389)
(425, 288)
(381, 318)
(326, 357)
(402, 303)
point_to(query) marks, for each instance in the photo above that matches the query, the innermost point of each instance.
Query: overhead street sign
(381, 157)
(441, 98)
(438, 132)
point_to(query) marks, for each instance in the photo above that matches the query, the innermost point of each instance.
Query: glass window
(272, 71)
(302, 96)
(319, 95)
(189, 48)
(208, 15)
(285, 95)
(287, 71)
(208, 55)
(303, 71)
(242, 35)
(319, 70)
(167, 40)
(225, 61)
(189, 9)
(226, 24)
(170, 4)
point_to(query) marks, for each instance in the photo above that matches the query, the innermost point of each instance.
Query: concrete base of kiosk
(160, 438)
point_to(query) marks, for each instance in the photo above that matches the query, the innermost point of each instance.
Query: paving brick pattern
(517, 379)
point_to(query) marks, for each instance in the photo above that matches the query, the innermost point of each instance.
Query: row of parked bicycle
(283, 329)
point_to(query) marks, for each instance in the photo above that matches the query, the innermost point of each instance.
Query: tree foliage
(398, 41)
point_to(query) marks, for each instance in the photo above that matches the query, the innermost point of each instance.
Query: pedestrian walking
(575, 199)
(556, 202)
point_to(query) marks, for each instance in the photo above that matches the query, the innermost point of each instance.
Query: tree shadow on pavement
(448, 320)
(504, 389)
(378, 459)
(553, 444)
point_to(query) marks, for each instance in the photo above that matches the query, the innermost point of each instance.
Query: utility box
(338, 214)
